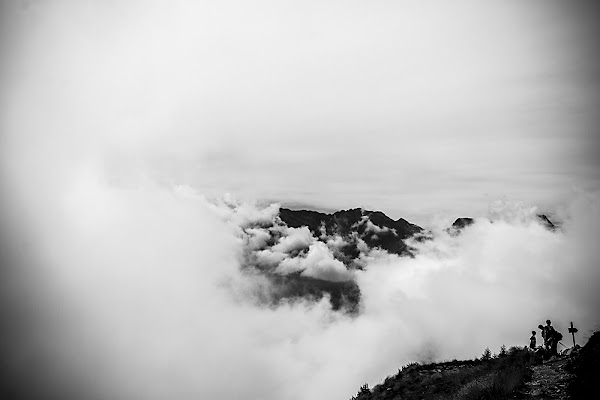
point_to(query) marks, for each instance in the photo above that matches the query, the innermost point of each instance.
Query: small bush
(363, 394)
(514, 349)
(409, 366)
(502, 352)
(487, 354)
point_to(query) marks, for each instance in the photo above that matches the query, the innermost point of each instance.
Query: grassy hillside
(489, 377)
(586, 369)
(514, 373)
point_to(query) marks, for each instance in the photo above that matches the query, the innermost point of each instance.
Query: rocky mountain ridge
(310, 254)
(373, 227)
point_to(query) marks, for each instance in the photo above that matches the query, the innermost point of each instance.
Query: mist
(120, 292)
(124, 261)
(297, 104)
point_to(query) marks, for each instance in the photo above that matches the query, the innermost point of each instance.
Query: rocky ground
(549, 381)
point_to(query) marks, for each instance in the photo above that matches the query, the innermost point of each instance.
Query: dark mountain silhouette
(462, 222)
(459, 225)
(373, 227)
(546, 222)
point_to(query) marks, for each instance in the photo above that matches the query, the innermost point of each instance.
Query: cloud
(269, 258)
(336, 242)
(257, 238)
(512, 212)
(371, 227)
(295, 239)
(154, 86)
(240, 215)
(318, 263)
(148, 298)
(121, 282)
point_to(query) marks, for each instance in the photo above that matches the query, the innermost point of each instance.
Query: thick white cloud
(119, 282)
(269, 258)
(318, 263)
(371, 227)
(257, 238)
(294, 239)
(146, 298)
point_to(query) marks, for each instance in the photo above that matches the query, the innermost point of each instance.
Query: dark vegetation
(507, 375)
(489, 377)
(586, 369)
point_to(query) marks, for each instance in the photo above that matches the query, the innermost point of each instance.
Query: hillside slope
(518, 373)
(487, 377)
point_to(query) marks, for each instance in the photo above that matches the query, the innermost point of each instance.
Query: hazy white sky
(408, 107)
(119, 118)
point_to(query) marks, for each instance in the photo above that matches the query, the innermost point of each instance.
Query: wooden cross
(572, 331)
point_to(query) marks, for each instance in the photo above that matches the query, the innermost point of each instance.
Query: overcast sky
(406, 107)
(123, 124)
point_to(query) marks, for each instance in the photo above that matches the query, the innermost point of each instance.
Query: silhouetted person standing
(544, 336)
(532, 340)
(551, 337)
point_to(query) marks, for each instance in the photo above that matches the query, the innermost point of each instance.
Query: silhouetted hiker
(551, 337)
(543, 335)
(532, 340)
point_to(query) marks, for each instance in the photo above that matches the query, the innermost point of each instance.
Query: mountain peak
(546, 221)
(373, 227)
